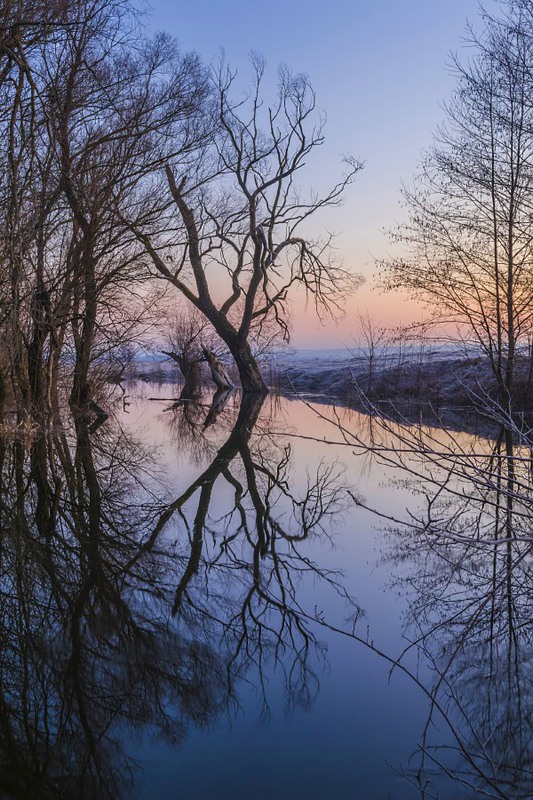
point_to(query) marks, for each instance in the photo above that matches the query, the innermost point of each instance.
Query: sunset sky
(381, 72)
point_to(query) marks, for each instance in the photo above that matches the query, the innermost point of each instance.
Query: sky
(381, 72)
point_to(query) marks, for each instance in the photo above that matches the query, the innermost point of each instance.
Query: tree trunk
(252, 381)
(249, 373)
(3, 392)
(190, 369)
(84, 334)
(37, 372)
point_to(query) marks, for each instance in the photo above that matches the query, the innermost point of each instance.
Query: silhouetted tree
(240, 218)
(91, 107)
(470, 229)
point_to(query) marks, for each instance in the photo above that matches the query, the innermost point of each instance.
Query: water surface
(229, 599)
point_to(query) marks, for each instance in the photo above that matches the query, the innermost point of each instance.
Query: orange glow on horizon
(385, 309)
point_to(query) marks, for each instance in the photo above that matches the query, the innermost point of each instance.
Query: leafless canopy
(469, 232)
(241, 222)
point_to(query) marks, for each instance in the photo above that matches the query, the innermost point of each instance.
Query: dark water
(248, 600)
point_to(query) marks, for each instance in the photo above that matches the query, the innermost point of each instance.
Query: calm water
(252, 601)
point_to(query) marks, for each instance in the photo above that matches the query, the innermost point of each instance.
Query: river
(227, 598)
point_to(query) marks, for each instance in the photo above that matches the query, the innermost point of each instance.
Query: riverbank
(437, 386)
(429, 386)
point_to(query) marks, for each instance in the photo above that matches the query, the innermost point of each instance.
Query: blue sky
(380, 71)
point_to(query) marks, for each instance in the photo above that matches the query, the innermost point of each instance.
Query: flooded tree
(25, 28)
(186, 333)
(89, 108)
(241, 245)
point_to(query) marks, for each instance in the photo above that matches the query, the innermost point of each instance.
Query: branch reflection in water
(240, 581)
(462, 556)
(110, 626)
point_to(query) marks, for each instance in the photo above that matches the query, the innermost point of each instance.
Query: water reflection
(472, 614)
(137, 602)
(244, 560)
(123, 612)
(87, 648)
(462, 555)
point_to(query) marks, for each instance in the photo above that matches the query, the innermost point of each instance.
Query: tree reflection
(109, 626)
(464, 557)
(472, 616)
(244, 560)
(88, 651)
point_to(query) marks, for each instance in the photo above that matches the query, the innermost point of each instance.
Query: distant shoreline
(433, 385)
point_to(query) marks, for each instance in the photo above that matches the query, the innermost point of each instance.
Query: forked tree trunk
(84, 336)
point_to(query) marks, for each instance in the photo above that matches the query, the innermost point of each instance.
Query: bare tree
(240, 245)
(92, 106)
(186, 333)
(24, 27)
(371, 346)
(109, 133)
(470, 228)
